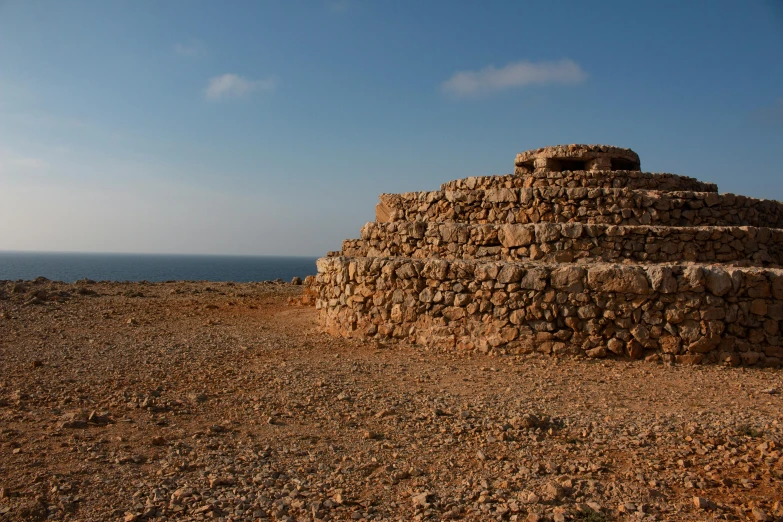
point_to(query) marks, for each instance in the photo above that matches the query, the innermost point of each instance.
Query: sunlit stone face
(561, 158)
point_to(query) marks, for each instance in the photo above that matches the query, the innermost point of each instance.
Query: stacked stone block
(603, 261)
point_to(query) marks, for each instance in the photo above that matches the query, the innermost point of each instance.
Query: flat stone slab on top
(573, 157)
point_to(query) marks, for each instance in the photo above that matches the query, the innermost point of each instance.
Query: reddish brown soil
(190, 401)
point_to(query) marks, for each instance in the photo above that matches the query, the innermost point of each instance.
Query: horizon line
(74, 252)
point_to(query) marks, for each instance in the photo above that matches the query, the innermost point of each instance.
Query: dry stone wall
(607, 261)
(584, 205)
(680, 313)
(569, 242)
(569, 179)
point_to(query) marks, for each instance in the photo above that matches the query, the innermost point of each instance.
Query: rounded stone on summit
(559, 158)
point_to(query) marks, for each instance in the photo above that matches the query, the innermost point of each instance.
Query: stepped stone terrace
(578, 252)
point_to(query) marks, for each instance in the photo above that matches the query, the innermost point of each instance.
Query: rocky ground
(195, 401)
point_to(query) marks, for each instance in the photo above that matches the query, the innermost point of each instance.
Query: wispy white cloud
(235, 86)
(193, 49)
(513, 75)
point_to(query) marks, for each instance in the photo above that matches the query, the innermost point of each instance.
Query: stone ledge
(585, 205)
(688, 313)
(569, 242)
(575, 179)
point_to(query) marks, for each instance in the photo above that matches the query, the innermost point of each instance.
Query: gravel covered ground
(219, 401)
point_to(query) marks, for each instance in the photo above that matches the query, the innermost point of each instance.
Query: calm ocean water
(151, 267)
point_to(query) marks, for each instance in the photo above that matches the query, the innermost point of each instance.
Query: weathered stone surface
(571, 179)
(384, 212)
(616, 206)
(509, 274)
(609, 278)
(516, 235)
(576, 157)
(536, 299)
(568, 278)
(501, 195)
(572, 242)
(718, 281)
(547, 232)
(534, 279)
(670, 344)
(704, 344)
(662, 279)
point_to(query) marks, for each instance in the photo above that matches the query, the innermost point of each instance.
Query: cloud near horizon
(235, 86)
(518, 74)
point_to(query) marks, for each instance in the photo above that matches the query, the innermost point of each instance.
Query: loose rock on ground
(218, 401)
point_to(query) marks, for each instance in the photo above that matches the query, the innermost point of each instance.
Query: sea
(70, 267)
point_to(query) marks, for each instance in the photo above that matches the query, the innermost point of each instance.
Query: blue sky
(271, 127)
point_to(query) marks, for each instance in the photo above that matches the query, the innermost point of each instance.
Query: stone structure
(578, 252)
(576, 158)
